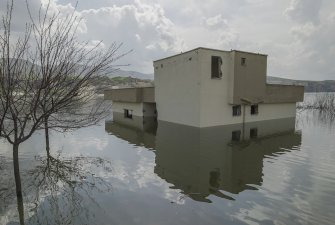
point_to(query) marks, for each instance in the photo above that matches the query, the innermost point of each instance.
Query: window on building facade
(254, 109)
(243, 61)
(236, 110)
(128, 113)
(216, 67)
(236, 135)
(253, 133)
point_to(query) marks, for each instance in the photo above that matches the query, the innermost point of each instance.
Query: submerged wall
(224, 116)
(177, 89)
(136, 108)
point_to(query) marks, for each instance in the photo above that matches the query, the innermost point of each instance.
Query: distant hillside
(310, 86)
(102, 83)
(134, 74)
(132, 78)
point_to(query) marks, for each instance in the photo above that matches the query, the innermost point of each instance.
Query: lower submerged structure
(207, 87)
(131, 102)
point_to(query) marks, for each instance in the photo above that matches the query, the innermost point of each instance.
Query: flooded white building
(207, 87)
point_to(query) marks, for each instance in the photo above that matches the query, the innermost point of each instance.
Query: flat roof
(291, 85)
(210, 49)
(122, 88)
(253, 53)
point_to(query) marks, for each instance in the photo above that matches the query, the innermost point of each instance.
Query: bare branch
(46, 76)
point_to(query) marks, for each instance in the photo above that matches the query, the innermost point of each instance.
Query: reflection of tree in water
(2, 162)
(62, 187)
(58, 188)
(326, 118)
(7, 190)
(316, 118)
(7, 193)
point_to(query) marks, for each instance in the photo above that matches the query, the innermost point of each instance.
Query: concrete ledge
(276, 93)
(135, 95)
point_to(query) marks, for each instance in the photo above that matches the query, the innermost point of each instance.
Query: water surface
(141, 172)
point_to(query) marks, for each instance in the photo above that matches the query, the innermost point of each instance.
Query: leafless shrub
(323, 102)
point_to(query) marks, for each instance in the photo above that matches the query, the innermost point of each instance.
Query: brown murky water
(140, 172)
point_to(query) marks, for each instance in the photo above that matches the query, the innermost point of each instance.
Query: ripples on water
(135, 172)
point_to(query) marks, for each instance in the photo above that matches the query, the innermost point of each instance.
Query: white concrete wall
(137, 108)
(214, 93)
(271, 111)
(265, 112)
(215, 109)
(186, 94)
(177, 89)
(135, 123)
(249, 79)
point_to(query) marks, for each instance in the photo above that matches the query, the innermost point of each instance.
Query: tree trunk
(46, 131)
(17, 176)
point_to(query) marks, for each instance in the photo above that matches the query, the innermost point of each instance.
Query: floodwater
(132, 171)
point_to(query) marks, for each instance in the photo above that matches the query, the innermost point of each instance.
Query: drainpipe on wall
(244, 103)
(243, 123)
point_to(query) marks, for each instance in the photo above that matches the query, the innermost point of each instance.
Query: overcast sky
(297, 35)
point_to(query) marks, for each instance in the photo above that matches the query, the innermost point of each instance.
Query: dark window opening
(236, 135)
(128, 113)
(254, 109)
(216, 67)
(243, 61)
(236, 110)
(253, 133)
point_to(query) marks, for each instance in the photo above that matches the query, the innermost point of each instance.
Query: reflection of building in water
(140, 131)
(208, 161)
(202, 162)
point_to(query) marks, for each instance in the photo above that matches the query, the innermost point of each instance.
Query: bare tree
(45, 75)
(44, 85)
